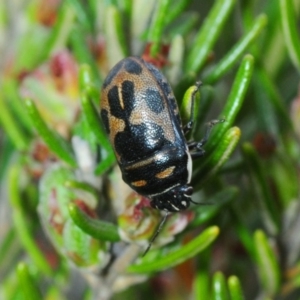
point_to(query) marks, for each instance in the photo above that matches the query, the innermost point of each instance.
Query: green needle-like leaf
(95, 124)
(236, 52)
(94, 121)
(175, 58)
(201, 285)
(59, 33)
(192, 94)
(290, 30)
(28, 285)
(185, 252)
(82, 13)
(208, 35)
(81, 186)
(11, 92)
(10, 249)
(235, 289)
(87, 81)
(267, 264)
(82, 52)
(55, 142)
(11, 128)
(19, 219)
(115, 38)
(157, 25)
(103, 231)
(175, 9)
(219, 287)
(234, 102)
(28, 241)
(218, 158)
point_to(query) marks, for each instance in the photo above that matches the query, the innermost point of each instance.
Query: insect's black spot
(139, 141)
(113, 72)
(154, 100)
(104, 117)
(114, 102)
(121, 108)
(132, 67)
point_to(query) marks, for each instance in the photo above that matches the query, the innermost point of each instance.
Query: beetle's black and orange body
(141, 117)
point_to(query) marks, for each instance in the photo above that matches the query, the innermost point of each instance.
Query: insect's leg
(190, 123)
(187, 127)
(198, 153)
(208, 129)
(160, 226)
(193, 146)
(197, 147)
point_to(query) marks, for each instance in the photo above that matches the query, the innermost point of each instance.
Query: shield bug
(141, 117)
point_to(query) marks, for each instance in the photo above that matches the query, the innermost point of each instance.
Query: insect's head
(174, 200)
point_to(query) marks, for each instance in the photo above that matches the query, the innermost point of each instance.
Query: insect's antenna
(201, 203)
(163, 221)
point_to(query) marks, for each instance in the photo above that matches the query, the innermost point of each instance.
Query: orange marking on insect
(115, 125)
(165, 173)
(139, 183)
